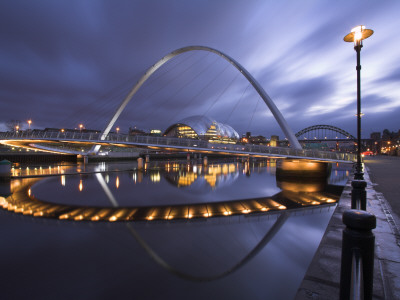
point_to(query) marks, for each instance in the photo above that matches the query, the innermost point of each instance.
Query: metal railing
(175, 142)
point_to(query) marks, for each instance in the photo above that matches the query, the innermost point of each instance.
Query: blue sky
(69, 62)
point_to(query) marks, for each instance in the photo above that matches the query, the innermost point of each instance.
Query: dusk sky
(69, 62)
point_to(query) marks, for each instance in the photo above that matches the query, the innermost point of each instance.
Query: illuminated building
(201, 127)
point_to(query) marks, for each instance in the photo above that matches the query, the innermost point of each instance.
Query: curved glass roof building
(201, 127)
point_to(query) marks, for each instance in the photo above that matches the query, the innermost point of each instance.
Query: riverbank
(323, 276)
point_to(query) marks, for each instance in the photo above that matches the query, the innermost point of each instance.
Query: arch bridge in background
(319, 128)
(268, 101)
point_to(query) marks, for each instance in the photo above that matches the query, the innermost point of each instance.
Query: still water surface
(245, 255)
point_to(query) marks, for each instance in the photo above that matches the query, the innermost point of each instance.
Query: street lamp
(29, 124)
(80, 127)
(357, 35)
(117, 130)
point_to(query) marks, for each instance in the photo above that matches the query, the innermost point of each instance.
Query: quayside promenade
(322, 279)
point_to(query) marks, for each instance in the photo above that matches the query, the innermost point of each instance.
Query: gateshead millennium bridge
(62, 142)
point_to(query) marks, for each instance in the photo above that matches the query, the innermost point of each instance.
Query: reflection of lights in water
(155, 177)
(117, 182)
(34, 207)
(194, 169)
(63, 180)
(134, 177)
(186, 179)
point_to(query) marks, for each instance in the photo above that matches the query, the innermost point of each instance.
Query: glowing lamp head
(358, 34)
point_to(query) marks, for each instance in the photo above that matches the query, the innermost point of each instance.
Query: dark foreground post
(358, 195)
(357, 268)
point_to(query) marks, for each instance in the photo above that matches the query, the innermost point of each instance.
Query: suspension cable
(150, 112)
(212, 80)
(237, 103)
(252, 116)
(220, 95)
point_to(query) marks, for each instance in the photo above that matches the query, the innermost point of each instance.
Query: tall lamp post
(357, 35)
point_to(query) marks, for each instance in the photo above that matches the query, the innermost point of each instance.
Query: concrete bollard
(357, 236)
(140, 163)
(358, 195)
(205, 160)
(147, 158)
(5, 168)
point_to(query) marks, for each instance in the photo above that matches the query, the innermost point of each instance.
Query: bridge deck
(33, 139)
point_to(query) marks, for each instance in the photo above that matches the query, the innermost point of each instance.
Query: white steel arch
(268, 101)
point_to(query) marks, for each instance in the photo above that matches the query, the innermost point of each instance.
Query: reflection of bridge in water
(312, 189)
(276, 219)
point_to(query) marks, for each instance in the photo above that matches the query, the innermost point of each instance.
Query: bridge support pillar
(147, 158)
(5, 169)
(140, 163)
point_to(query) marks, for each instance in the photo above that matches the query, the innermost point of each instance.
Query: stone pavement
(323, 276)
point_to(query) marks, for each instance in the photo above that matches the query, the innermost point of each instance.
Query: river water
(175, 230)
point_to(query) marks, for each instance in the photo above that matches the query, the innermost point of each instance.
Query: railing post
(358, 195)
(357, 236)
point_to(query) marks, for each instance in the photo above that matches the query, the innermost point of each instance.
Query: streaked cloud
(67, 62)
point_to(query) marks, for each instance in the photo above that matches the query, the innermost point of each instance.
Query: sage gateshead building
(201, 127)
